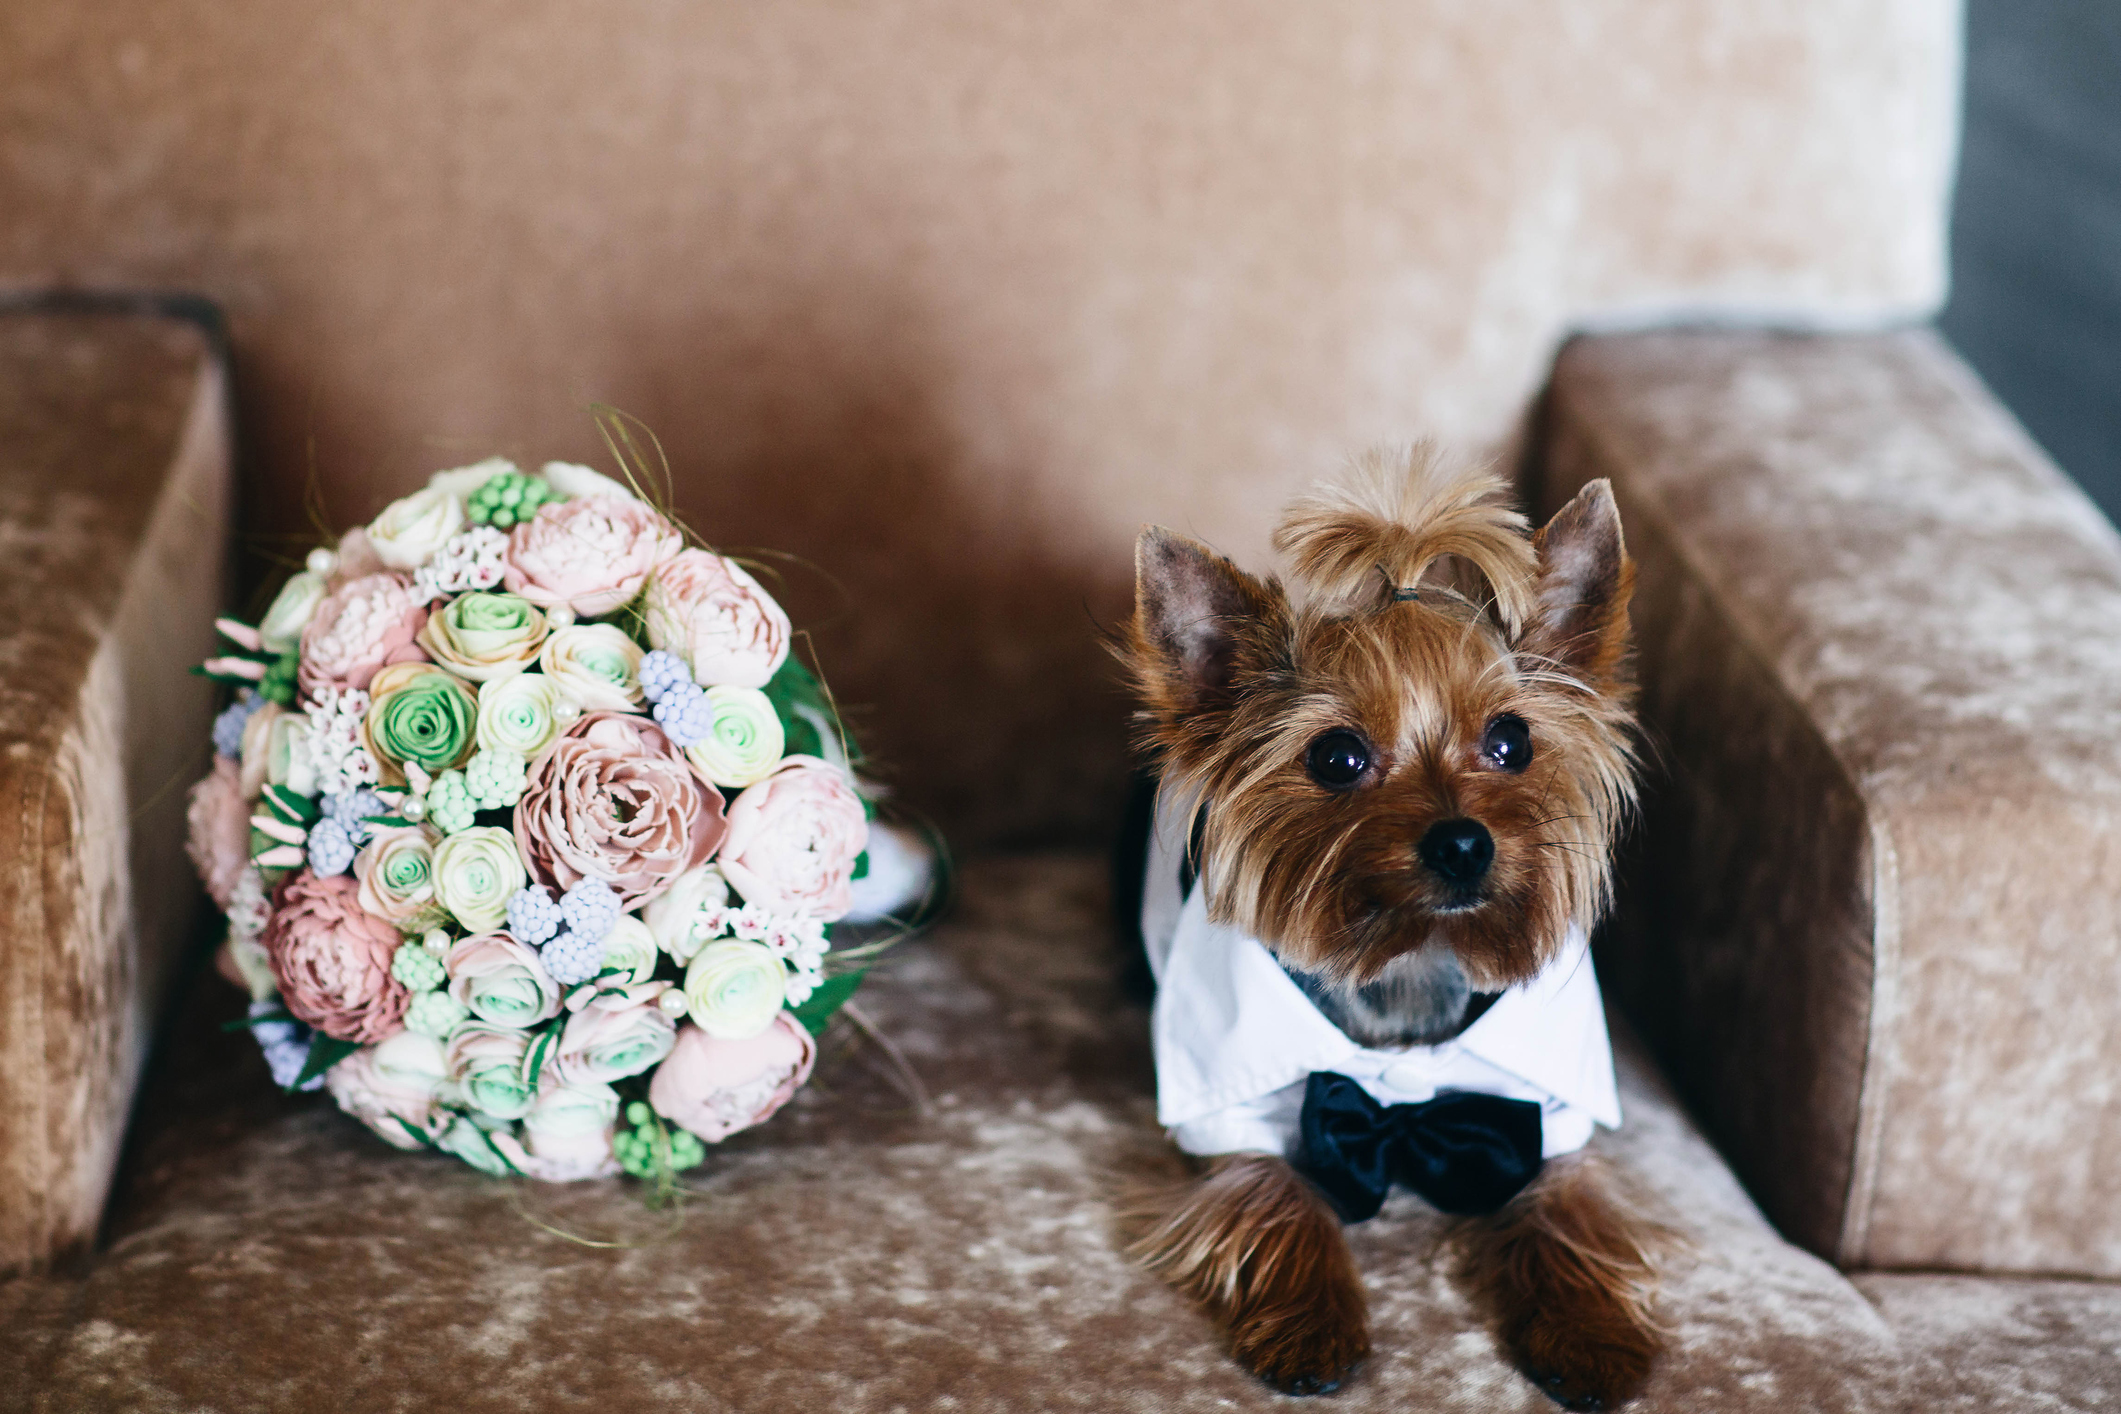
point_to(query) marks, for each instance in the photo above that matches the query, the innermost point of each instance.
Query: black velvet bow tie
(1464, 1152)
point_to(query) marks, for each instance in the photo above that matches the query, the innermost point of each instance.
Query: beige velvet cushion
(948, 297)
(114, 495)
(1873, 922)
(854, 1256)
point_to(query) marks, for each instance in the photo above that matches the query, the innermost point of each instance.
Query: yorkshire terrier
(1383, 832)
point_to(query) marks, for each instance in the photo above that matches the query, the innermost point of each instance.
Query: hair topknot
(1398, 514)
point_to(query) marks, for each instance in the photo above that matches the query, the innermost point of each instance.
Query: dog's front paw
(1302, 1349)
(1585, 1370)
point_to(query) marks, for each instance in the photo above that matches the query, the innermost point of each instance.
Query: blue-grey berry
(532, 915)
(331, 849)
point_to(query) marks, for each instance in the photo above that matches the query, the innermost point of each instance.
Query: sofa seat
(265, 1252)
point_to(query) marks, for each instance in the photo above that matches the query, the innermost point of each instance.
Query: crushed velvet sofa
(1863, 972)
(947, 299)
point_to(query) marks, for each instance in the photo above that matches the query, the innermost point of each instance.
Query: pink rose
(618, 1033)
(395, 1088)
(359, 628)
(219, 838)
(709, 612)
(503, 982)
(715, 1088)
(332, 959)
(793, 840)
(613, 799)
(592, 555)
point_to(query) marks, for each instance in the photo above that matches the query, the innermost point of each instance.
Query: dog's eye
(1337, 759)
(1507, 743)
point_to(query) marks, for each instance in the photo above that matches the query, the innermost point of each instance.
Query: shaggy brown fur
(1567, 1270)
(1255, 1245)
(1426, 626)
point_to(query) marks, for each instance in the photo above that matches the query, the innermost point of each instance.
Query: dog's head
(1430, 745)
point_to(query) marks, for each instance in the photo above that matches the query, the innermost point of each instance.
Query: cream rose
(257, 746)
(281, 628)
(288, 759)
(484, 636)
(713, 1087)
(794, 838)
(575, 480)
(630, 947)
(502, 981)
(461, 481)
(689, 915)
(475, 872)
(396, 870)
(596, 665)
(734, 989)
(522, 715)
(567, 1134)
(396, 1088)
(413, 527)
(618, 1033)
(592, 554)
(744, 739)
(486, 1062)
(708, 611)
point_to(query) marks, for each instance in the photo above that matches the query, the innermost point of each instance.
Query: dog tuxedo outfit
(1246, 1063)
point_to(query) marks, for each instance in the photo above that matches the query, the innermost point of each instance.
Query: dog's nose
(1458, 850)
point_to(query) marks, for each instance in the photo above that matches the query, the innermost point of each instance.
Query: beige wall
(948, 297)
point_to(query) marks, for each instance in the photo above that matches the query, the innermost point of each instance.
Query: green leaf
(793, 685)
(830, 996)
(861, 866)
(291, 808)
(324, 1053)
(246, 1023)
(534, 1058)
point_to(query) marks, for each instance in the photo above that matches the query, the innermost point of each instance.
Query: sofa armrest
(1872, 918)
(114, 500)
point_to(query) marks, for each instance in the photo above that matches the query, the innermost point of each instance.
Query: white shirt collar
(1230, 1027)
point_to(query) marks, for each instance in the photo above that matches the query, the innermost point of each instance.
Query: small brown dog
(1394, 798)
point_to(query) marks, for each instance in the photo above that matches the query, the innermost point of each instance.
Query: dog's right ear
(1193, 611)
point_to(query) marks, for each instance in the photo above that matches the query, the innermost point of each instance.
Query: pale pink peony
(219, 837)
(592, 555)
(794, 838)
(712, 614)
(613, 799)
(357, 629)
(331, 958)
(714, 1087)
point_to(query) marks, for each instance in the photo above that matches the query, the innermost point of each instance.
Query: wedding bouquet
(530, 830)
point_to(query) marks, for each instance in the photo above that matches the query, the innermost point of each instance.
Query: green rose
(484, 636)
(281, 628)
(734, 989)
(522, 714)
(745, 741)
(475, 871)
(422, 715)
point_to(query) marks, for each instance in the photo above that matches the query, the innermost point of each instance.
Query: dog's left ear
(1580, 617)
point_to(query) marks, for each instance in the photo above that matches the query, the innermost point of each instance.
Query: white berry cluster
(471, 559)
(336, 753)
